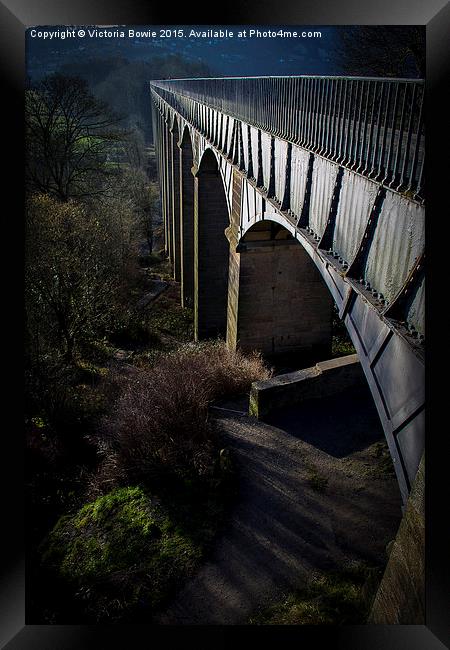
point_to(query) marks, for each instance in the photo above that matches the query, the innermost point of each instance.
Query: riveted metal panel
(416, 311)
(244, 134)
(228, 127)
(411, 442)
(400, 375)
(254, 145)
(356, 200)
(367, 324)
(338, 286)
(299, 174)
(397, 243)
(248, 207)
(265, 145)
(323, 181)
(280, 168)
(227, 174)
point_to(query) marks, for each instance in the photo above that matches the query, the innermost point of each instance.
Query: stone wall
(283, 305)
(324, 379)
(401, 596)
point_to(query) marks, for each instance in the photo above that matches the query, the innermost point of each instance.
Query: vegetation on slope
(122, 553)
(336, 598)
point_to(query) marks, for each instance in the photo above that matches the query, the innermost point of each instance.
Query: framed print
(227, 224)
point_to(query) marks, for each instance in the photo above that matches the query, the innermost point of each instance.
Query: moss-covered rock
(121, 552)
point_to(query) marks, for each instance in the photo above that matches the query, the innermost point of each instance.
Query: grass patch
(383, 464)
(89, 373)
(162, 325)
(317, 481)
(341, 342)
(375, 462)
(122, 553)
(97, 351)
(160, 267)
(167, 317)
(134, 330)
(336, 598)
(341, 346)
(150, 260)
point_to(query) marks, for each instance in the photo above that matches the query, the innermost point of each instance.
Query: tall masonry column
(186, 221)
(211, 250)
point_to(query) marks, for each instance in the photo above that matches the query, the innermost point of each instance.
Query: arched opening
(175, 202)
(187, 220)
(211, 250)
(168, 182)
(282, 306)
(165, 187)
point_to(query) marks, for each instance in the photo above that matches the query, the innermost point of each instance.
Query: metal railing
(370, 125)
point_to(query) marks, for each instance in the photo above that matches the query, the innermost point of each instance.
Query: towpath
(317, 491)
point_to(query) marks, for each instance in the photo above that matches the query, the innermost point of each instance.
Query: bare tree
(69, 138)
(75, 261)
(142, 195)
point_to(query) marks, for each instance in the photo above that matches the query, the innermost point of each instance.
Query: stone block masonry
(281, 304)
(400, 599)
(324, 379)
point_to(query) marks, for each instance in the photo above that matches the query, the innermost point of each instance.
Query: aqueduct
(282, 195)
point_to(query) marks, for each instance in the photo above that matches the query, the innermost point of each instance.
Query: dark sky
(224, 56)
(396, 47)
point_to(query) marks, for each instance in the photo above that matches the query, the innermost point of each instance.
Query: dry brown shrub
(160, 421)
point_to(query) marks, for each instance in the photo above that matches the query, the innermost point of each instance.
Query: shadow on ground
(326, 424)
(315, 494)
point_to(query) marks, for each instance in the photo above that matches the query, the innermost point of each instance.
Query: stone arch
(211, 249)
(173, 120)
(186, 137)
(278, 301)
(220, 167)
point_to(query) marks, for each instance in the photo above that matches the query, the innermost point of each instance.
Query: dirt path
(284, 527)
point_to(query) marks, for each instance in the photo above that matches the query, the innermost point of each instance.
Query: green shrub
(150, 259)
(121, 553)
(133, 329)
(167, 317)
(341, 341)
(317, 482)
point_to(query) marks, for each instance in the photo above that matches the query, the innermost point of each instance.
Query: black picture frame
(16, 16)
